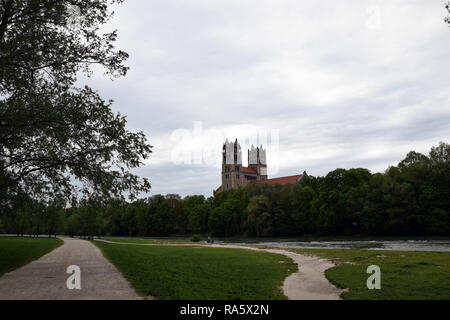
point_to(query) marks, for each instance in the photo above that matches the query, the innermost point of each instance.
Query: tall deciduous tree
(57, 139)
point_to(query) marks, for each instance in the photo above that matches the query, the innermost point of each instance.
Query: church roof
(249, 170)
(218, 190)
(283, 180)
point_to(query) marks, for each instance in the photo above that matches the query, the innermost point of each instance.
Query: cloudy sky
(323, 84)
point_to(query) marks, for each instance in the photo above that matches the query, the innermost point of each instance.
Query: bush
(196, 238)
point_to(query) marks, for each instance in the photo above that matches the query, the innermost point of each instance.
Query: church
(235, 175)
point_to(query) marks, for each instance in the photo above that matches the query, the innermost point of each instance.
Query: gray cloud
(347, 83)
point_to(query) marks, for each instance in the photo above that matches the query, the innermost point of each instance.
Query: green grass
(16, 252)
(145, 241)
(200, 273)
(404, 275)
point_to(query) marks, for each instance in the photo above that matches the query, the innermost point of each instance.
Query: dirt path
(308, 283)
(45, 278)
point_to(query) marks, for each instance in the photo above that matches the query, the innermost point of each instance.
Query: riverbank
(404, 275)
(430, 244)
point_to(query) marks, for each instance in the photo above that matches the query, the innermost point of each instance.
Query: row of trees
(33, 218)
(412, 198)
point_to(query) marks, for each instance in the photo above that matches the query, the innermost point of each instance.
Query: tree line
(412, 198)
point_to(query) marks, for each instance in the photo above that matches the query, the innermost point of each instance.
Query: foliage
(58, 140)
(198, 218)
(259, 218)
(196, 238)
(404, 275)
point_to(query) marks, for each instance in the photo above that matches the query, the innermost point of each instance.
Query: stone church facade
(235, 175)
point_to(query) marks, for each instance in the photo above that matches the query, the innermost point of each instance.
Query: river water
(438, 245)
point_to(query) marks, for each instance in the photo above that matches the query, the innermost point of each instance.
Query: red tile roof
(283, 180)
(248, 170)
(219, 190)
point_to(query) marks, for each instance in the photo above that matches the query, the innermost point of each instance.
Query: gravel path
(308, 283)
(45, 278)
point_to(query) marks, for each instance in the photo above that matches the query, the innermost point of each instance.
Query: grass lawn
(16, 252)
(193, 273)
(146, 241)
(404, 275)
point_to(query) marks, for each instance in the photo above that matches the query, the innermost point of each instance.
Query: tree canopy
(58, 139)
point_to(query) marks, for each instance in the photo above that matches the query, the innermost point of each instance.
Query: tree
(438, 180)
(71, 223)
(447, 18)
(57, 139)
(162, 220)
(143, 220)
(259, 217)
(302, 208)
(88, 219)
(128, 220)
(222, 219)
(198, 218)
(22, 221)
(53, 220)
(439, 222)
(180, 217)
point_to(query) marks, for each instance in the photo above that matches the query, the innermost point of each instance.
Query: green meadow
(200, 273)
(16, 252)
(404, 275)
(145, 241)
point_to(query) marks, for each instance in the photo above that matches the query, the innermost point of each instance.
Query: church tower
(235, 175)
(257, 160)
(231, 165)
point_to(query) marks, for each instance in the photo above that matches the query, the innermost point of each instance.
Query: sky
(321, 84)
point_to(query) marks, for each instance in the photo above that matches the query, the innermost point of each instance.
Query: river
(437, 245)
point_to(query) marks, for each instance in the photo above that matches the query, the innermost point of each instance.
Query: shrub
(196, 238)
